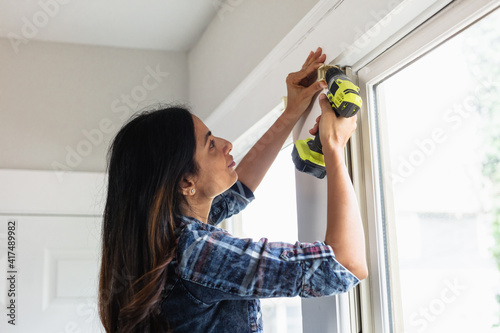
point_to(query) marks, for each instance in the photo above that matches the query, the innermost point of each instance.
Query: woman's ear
(187, 186)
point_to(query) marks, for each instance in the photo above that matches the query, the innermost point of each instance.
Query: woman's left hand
(302, 86)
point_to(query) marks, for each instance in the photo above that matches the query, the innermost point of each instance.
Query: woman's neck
(198, 209)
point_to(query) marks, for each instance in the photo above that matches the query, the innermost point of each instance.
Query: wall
(242, 33)
(61, 103)
(348, 37)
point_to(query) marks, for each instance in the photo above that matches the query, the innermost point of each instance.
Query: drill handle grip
(315, 145)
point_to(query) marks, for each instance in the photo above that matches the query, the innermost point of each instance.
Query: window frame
(380, 299)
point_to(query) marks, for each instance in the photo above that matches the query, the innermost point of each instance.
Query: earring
(192, 191)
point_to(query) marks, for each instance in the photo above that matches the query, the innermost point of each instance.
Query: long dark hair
(147, 160)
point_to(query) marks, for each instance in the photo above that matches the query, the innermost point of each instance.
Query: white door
(49, 251)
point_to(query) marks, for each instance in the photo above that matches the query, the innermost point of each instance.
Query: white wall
(240, 36)
(51, 94)
(348, 36)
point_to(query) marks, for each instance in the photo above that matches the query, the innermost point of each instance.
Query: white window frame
(380, 297)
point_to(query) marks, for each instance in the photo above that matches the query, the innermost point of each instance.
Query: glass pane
(439, 134)
(273, 215)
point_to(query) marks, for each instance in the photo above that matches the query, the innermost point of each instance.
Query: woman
(167, 267)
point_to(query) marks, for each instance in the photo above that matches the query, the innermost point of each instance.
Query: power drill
(343, 94)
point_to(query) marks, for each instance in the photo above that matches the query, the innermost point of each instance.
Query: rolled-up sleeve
(231, 202)
(243, 268)
(322, 274)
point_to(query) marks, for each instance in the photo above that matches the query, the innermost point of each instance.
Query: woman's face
(216, 167)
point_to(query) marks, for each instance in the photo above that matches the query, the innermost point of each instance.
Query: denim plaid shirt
(216, 279)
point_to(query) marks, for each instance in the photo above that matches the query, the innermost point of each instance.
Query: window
(273, 215)
(433, 182)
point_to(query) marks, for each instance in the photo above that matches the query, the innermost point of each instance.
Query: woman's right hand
(334, 131)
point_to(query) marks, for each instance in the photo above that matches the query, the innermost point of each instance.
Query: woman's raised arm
(344, 231)
(301, 90)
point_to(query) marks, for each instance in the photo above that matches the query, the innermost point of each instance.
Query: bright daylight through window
(439, 135)
(273, 215)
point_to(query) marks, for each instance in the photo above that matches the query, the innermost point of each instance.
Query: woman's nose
(228, 146)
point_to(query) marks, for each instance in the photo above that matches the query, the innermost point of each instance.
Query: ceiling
(173, 25)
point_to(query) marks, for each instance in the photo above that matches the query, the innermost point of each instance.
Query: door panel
(54, 248)
(56, 260)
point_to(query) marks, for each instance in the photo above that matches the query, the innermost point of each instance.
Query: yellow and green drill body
(343, 94)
